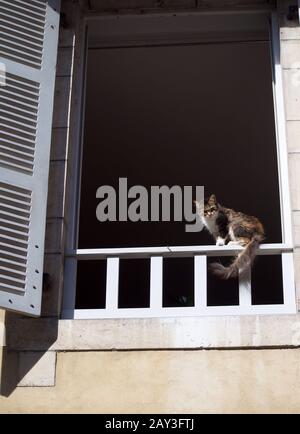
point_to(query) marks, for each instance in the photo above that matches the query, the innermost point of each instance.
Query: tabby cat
(233, 228)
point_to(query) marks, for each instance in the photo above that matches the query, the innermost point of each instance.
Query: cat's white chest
(210, 224)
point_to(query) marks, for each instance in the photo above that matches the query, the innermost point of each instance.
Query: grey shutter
(28, 51)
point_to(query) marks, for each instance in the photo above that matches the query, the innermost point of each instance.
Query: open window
(186, 100)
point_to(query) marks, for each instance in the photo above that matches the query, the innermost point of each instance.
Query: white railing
(157, 255)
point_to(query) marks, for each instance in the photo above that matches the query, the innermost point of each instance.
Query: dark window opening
(91, 285)
(221, 292)
(178, 282)
(180, 115)
(266, 280)
(192, 114)
(134, 283)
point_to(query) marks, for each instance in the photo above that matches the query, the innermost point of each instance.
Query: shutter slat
(10, 92)
(16, 217)
(5, 198)
(18, 92)
(8, 127)
(10, 272)
(6, 208)
(26, 37)
(12, 115)
(28, 49)
(20, 28)
(22, 124)
(20, 15)
(13, 144)
(13, 164)
(17, 18)
(11, 22)
(28, 56)
(10, 151)
(9, 224)
(13, 42)
(18, 148)
(9, 37)
(16, 136)
(12, 265)
(21, 133)
(18, 286)
(25, 84)
(14, 240)
(4, 105)
(21, 8)
(12, 255)
(18, 250)
(8, 230)
(23, 104)
(39, 6)
(19, 233)
(12, 289)
(20, 261)
(15, 26)
(22, 195)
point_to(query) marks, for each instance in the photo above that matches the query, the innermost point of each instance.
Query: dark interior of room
(198, 114)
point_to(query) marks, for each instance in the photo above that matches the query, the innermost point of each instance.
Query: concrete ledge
(25, 334)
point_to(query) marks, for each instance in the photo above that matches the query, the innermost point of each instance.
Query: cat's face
(208, 209)
(211, 207)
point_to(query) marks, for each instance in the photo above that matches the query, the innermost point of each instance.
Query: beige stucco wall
(201, 381)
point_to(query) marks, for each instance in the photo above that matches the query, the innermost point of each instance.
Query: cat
(233, 228)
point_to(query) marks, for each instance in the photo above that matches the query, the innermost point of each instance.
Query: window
(184, 100)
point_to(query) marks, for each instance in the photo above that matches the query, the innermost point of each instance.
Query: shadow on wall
(23, 350)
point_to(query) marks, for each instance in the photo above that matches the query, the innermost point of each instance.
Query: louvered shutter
(28, 52)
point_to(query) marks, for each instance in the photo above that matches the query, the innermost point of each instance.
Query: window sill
(26, 334)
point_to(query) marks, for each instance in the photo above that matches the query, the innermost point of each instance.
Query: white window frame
(200, 253)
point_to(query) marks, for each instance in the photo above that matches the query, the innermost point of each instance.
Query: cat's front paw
(220, 242)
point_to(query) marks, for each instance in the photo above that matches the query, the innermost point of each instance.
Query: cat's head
(209, 208)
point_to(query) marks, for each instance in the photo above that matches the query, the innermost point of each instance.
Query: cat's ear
(212, 199)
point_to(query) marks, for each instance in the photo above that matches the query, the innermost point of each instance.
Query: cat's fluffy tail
(242, 261)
